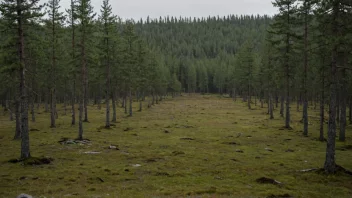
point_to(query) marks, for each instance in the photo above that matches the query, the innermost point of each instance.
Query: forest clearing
(98, 99)
(198, 145)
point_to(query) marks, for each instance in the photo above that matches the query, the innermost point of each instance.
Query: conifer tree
(107, 20)
(56, 19)
(85, 16)
(18, 13)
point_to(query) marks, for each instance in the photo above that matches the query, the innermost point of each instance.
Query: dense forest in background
(302, 54)
(202, 53)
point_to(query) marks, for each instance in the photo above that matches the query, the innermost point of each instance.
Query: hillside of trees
(76, 58)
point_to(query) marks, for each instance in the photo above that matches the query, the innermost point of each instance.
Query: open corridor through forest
(193, 145)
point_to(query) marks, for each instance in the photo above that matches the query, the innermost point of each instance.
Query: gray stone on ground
(24, 196)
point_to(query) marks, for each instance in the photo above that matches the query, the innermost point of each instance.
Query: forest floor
(190, 146)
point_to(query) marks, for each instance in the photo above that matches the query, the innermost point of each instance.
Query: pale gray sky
(137, 9)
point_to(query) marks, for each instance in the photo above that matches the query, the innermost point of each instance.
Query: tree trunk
(322, 106)
(282, 106)
(86, 96)
(18, 121)
(80, 115)
(107, 94)
(73, 100)
(25, 152)
(140, 102)
(131, 101)
(114, 116)
(350, 110)
(32, 108)
(297, 105)
(52, 109)
(125, 102)
(337, 105)
(85, 103)
(330, 164)
(65, 102)
(271, 107)
(46, 108)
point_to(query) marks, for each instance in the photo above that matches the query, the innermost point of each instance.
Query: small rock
(113, 147)
(239, 151)
(268, 149)
(136, 165)
(264, 180)
(166, 131)
(24, 196)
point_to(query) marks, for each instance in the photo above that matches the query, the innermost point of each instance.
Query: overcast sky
(137, 9)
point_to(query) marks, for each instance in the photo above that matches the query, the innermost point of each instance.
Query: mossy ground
(187, 146)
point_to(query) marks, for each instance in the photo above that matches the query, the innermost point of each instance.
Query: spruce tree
(85, 16)
(18, 13)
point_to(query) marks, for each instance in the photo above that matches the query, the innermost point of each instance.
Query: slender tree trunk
(125, 101)
(271, 107)
(337, 105)
(85, 96)
(52, 109)
(65, 102)
(140, 102)
(114, 116)
(107, 95)
(46, 108)
(288, 118)
(80, 115)
(18, 121)
(25, 152)
(32, 108)
(330, 164)
(53, 67)
(282, 99)
(297, 107)
(73, 100)
(131, 101)
(322, 106)
(350, 110)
